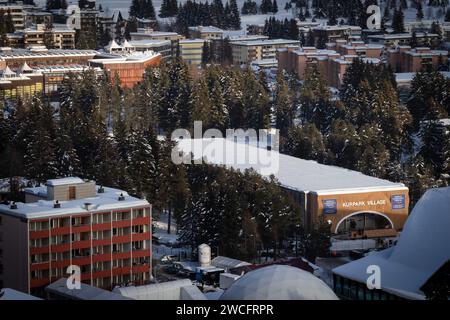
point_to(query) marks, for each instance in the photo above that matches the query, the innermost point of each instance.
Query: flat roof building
(70, 221)
(206, 33)
(244, 52)
(191, 51)
(130, 67)
(405, 59)
(348, 200)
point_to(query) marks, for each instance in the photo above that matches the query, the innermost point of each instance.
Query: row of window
(85, 236)
(86, 220)
(349, 289)
(86, 252)
(96, 267)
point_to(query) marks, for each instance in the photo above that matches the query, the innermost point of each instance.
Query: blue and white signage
(398, 201)
(329, 206)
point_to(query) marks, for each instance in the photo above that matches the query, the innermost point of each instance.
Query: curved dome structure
(421, 249)
(279, 282)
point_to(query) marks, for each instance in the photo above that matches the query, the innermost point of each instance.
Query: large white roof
(278, 282)
(101, 202)
(291, 172)
(422, 249)
(86, 292)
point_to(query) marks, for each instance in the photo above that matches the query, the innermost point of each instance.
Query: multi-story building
(191, 51)
(17, 14)
(130, 67)
(37, 17)
(332, 62)
(405, 59)
(164, 47)
(244, 52)
(401, 39)
(149, 34)
(73, 222)
(333, 33)
(205, 33)
(41, 56)
(22, 83)
(58, 37)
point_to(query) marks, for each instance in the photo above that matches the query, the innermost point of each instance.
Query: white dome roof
(279, 282)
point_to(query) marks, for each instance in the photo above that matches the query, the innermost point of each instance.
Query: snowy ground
(167, 241)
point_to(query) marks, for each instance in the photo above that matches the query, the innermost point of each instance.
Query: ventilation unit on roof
(13, 205)
(56, 204)
(121, 197)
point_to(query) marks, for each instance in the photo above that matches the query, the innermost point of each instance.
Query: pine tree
(419, 14)
(398, 21)
(284, 106)
(306, 142)
(39, 159)
(235, 19)
(435, 139)
(274, 6)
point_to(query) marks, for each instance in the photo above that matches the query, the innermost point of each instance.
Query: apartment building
(401, 39)
(206, 33)
(191, 51)
(332, 63)
(357, 48)
(37, 17)
(405, 59)
(244, 52)
(70, 221)
(17, 14)
(59, 37)
(333, 33)
(150, 34)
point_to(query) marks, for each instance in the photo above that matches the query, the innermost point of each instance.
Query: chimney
(101, 190)
(121, 197)
(13, 205)
(56, 204)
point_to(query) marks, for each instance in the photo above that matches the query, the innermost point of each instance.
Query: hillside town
(225, 150)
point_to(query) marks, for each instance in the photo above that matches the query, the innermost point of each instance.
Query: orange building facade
(130, 69)
(109, 238)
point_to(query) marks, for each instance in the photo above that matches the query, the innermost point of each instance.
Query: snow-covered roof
(126, 44)
(171, 290)
(8, 72)
(421, 249)
(108, 200)
(63, 181)
(113, 45)
(278, 282)
(25, 68)
(267, 42)
(206, 29)
(11, 294)
(86, 292)
(293, 173)
(228, 263)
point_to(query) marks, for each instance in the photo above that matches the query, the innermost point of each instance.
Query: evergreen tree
(306, 142)
(419, 8)
(235, 19)
(398, 21)
(284, 106)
